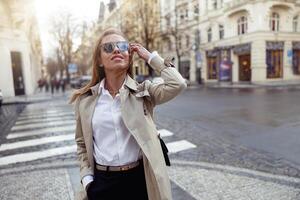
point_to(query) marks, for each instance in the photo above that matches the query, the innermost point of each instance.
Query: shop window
(296, 62)
(274, 63)
(274, 21)
(242, 25)
(295, 24)
(221, 31)
(209, 35)
(212, 68)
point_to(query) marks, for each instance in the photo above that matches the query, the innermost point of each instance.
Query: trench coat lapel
(89, 109)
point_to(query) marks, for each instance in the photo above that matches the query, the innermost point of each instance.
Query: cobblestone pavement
(8, 116)
(38, 159)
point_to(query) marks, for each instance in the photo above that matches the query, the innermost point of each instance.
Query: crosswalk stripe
(35, 116)
(35, 142)
(180, 145)
(30, 156)
(165, 133)
(41, 131)
(41, 120)
(42, 125)
(28, 113)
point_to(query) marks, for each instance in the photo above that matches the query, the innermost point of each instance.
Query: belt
(118, 168)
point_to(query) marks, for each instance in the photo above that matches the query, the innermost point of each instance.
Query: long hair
(98, 72)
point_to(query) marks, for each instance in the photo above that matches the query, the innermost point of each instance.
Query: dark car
(80, 81)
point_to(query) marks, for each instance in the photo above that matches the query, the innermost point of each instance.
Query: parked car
(1, 98)
(80, 81)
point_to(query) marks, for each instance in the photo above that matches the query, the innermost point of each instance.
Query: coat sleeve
(85, 168)
(173, 83)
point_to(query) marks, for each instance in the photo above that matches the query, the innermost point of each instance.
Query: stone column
(258, 61)
(288, 61)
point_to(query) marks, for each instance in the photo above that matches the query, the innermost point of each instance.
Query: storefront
(274, 59)
(243, 53)
(212, 69)
(296, 58)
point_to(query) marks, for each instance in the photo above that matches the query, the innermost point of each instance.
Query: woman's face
(114, 53)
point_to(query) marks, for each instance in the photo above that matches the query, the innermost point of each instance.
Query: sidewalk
(36, 97)
(189, 180)
(57, 181)
(229, 85)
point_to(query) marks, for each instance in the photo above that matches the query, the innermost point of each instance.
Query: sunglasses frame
(115, 44)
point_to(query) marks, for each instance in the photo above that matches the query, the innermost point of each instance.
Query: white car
(1, 98)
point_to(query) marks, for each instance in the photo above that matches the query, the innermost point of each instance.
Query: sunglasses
(110, 46)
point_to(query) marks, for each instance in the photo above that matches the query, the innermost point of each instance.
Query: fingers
(136, 47)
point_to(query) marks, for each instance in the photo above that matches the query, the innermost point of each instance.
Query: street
(224, 144)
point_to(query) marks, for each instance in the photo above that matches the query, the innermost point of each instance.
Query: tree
(65, 30)
(51, 66)
(142, 23)
(175, 32)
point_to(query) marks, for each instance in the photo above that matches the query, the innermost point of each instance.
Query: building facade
(234, 41)
(20, 48)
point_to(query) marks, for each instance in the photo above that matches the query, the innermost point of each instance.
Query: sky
(83, 10)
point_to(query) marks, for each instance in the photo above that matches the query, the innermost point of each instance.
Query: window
(296, 61)
(179, 42)
(197, 37)
(221, 31)
(187, 41)
(274, 22)
(196, 11)
(295, 24)
(170, 45)
(168, 21)
(215, 4)
(242, 25)
(212, 72)
(209, 35)
(274, 63)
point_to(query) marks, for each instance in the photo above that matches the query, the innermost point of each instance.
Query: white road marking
(165, 133)
(30, 156)
(27, 113)
(40, 131)
(41, 125)
(41, 115)
(42, 120)
(35, 142)
(180, 145)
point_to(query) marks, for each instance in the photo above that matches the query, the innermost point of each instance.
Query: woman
(117, 144)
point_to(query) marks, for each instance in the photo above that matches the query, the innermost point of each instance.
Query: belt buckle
(124, 168)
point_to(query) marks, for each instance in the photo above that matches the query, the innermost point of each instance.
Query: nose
(116, 49)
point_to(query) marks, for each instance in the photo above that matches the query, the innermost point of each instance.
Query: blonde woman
(117, 142)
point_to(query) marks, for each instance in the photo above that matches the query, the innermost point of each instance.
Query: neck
(113, 82)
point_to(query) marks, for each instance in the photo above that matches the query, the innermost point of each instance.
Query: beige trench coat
(137, 103)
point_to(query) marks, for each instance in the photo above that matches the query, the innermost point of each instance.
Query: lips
(117, 57)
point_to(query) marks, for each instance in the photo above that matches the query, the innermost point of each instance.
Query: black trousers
(125, 185)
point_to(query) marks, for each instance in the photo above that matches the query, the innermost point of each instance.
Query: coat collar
(129, 82)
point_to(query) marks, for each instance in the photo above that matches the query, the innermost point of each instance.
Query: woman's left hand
(140, 50)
